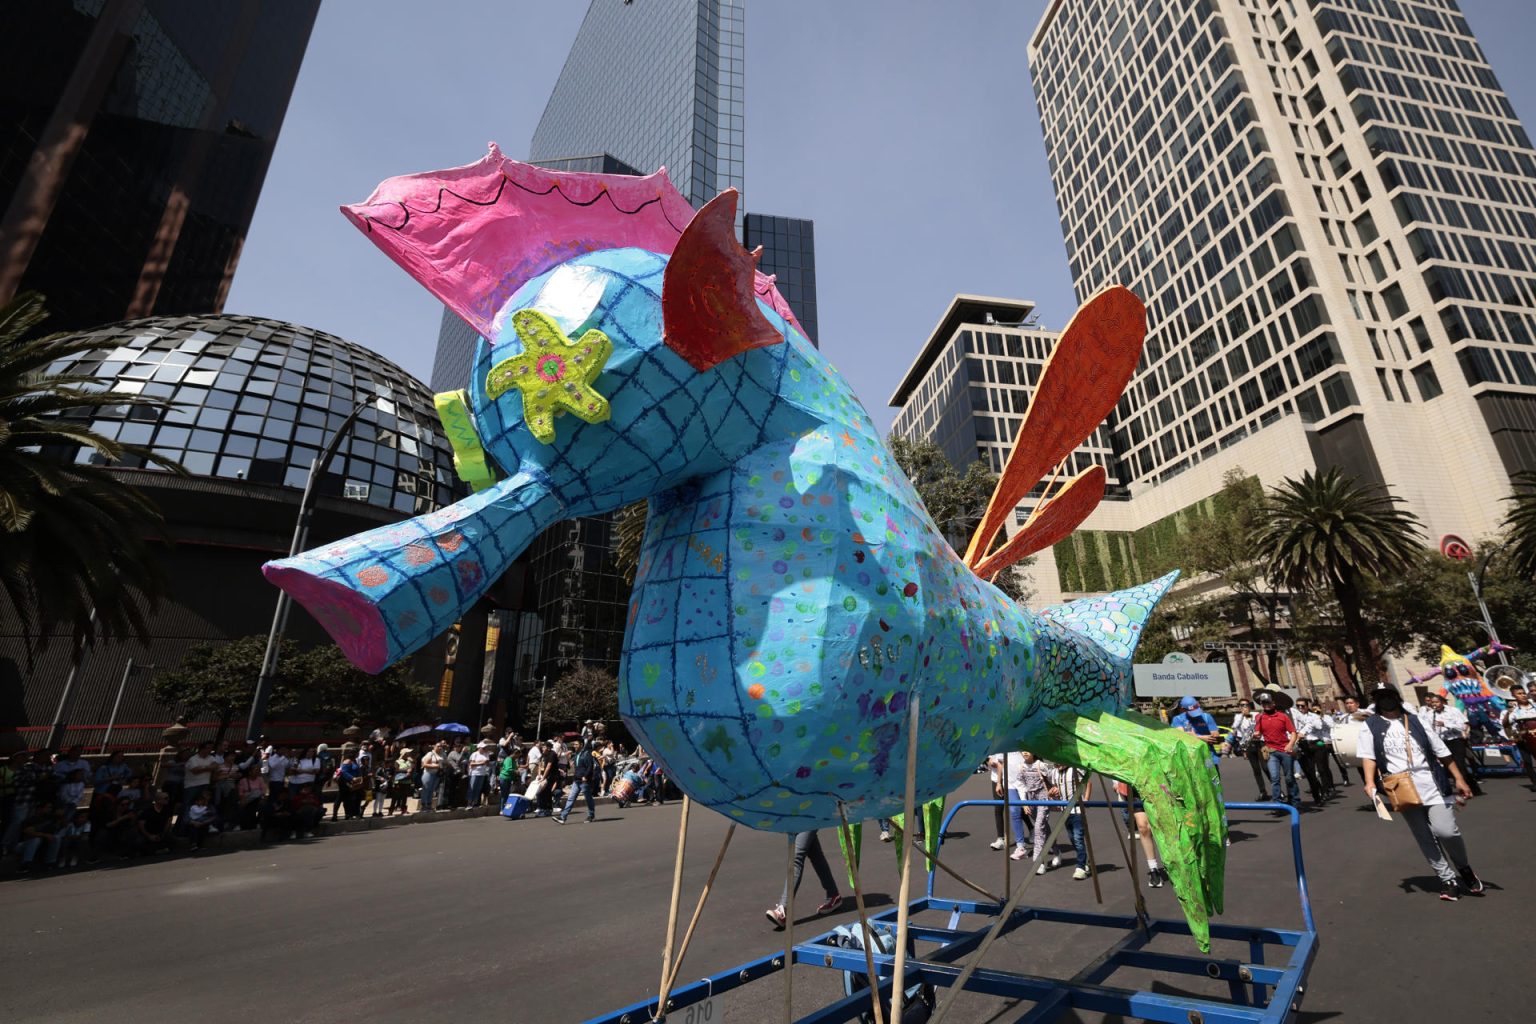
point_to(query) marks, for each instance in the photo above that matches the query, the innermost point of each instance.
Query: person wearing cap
(480, 771)
(1279, 736)
(1392, 741)
(1198, 722)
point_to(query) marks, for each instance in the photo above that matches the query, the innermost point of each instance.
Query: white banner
(1187, 679)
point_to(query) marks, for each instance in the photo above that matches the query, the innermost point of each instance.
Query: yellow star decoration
(554, 373)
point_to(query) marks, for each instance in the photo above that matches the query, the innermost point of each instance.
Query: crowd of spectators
(59, 810)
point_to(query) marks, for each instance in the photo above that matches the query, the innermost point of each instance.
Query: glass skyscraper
(1328, 208)
(789, 254)
(134, 140)
(656, 84)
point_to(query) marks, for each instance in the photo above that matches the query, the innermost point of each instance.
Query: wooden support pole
(1007, 828)
(677, 890)
(951, 872)
(858, 900)
(1093, 865)
(698, 910)
(903, 912)
(1002, 920)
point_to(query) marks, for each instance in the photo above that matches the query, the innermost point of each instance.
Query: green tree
(1520, 525)
(219, 679)
(1325, 533)
(581, 693)
(76, 542)
(1183, 623)
(340, 693)
(1223, 545)
(956, 501)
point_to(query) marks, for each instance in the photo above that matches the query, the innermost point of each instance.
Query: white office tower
(1329, 209)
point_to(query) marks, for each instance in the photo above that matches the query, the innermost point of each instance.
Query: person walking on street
(807, 844)
(1244, 742)
(1448, 722)
(584, 781)
(1519, 722)
(1309, 725)
(1279, 736)
(1408, 761)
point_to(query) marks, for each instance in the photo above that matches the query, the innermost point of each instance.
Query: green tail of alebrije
(1179, 788)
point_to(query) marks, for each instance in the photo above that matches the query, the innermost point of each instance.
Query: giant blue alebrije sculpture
(793, 595)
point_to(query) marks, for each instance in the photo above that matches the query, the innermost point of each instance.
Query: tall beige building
(1329, 208)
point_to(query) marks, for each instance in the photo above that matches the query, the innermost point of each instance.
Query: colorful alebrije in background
(793, 595)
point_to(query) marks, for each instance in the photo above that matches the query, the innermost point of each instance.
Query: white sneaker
(1040, 870)
(1055, 861)
(1079, 874)
(213, 830)
(998, 843)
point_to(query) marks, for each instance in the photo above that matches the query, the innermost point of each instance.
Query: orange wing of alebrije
(1051, 522)
(1082, 380)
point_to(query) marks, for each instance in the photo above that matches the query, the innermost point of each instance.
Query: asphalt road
(529, 921)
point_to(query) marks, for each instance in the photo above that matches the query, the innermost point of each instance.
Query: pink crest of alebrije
(475, 234)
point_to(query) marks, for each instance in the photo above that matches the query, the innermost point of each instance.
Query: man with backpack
(583, 782)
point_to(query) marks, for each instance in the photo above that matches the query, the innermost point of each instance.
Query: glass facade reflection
(134, 140)
(656, 85)
(258, 399)
(789, 253)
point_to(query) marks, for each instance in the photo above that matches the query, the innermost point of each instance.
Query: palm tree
(1520, 525)
(1327, 534)
(73, 544)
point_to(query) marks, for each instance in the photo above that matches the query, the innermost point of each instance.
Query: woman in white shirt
(1390, 742)
(1243, 724)
(306, 769)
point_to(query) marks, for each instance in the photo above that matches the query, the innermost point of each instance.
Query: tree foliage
(76, 542)
(1520, 525)
(956, 500)
(1326, 535)
(340, 693)
(583, 692)
(218, 679)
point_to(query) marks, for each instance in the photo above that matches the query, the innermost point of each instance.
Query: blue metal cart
(1498, 759)
(1264, 987)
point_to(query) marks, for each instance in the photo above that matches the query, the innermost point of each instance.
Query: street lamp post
(1476, 579)
(538, 730)
(300, 538)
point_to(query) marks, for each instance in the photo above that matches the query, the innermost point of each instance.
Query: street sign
(1195, 679)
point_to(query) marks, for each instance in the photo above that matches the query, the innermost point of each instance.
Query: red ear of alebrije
(708, 298)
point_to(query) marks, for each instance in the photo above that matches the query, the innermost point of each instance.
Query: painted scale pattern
(793, 594)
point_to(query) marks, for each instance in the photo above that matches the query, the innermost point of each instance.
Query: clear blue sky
(906, 130)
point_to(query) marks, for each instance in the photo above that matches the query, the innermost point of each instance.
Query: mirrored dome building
(255, 401)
